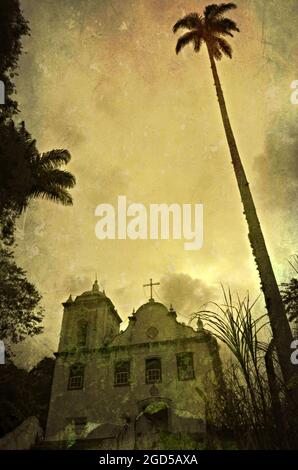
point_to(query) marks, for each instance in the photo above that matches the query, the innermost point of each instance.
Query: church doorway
(152, 421)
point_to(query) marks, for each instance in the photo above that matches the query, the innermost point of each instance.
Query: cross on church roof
(151, 284)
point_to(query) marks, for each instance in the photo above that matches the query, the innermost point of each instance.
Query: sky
(101, 78)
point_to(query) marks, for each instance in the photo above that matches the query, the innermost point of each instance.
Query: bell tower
(89, 322)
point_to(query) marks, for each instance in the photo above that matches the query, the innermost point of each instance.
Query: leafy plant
(242, 406)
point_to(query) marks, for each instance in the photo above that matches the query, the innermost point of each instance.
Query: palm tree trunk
(276, 311)
(279, 429)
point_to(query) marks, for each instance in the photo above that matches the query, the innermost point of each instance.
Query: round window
(152, 332)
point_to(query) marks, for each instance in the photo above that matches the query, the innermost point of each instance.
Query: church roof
(152, 304)
(154, 322)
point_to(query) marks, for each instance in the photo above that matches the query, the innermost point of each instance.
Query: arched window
(82, 331)
(76, 377)
(153, 370)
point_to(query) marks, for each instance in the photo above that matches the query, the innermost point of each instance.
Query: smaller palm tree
(48, 180)
(26, 174)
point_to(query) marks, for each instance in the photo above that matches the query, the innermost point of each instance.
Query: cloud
(186, 294)
(279, 161)
(77, 284)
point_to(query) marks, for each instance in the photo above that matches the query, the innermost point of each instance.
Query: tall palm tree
(212, 28)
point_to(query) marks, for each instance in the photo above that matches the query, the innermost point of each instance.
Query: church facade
(117, 389)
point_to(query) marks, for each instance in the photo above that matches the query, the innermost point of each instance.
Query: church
(116, 389)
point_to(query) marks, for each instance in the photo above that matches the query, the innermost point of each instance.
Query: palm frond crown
(210, 28)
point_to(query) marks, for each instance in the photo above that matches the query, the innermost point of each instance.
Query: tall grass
(247, 406)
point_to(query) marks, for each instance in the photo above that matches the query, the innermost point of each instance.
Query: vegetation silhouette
(249, 407)
(25, 174)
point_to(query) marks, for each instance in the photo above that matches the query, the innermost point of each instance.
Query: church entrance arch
(154, 417)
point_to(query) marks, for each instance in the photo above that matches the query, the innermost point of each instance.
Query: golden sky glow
(101, 79)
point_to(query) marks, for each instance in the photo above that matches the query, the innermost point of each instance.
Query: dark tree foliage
(8, 217)
(13, 397)
(290, 298)
(24, 394)
(13, 27)
(24, 174)
(20, 313)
